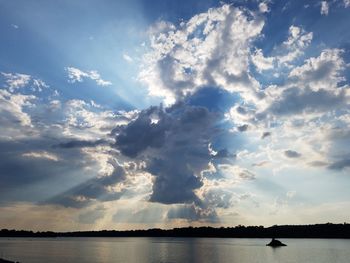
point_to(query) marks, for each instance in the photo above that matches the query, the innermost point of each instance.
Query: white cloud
(322, 72)
(15, 26)
(15, 122)
(11, 107)
(262, 63)
(324, 8)
(263, 7)
(16, 80)
(41, 155)
(298, 40)
(39, 84)
(346, 3)
(77, 75)
(212, 48)
(127, 58)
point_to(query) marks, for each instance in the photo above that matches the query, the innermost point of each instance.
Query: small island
(275, 243)
(6, 261)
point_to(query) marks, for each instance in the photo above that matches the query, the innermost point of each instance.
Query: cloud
(77, 75)
(298, 40)
(263, 7)
(346, 3)
(324, 8)
(13, 115)
(175, 149)
(340, 165)
(211, 49)
(318, 163)
(292, 154)
(265, 134)
(16, 80)
(295, 100)
(243, 128)
(322, 72)
(237, 171)
(174, 143)
(41, 155)
(262, 63)
(192, 213)
(80, 143)
(127, 58)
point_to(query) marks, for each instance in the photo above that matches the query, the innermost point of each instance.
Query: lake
(173, 250)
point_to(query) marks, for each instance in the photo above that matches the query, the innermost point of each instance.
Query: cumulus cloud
(211, 48)
(292, 48)
(77, 75)
(262, 63)
(295, 100)
(15, 81)
(175, 149)
(322, 72)
(188, 158)
(14, 119)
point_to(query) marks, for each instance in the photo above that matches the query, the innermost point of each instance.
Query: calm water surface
(173, 250)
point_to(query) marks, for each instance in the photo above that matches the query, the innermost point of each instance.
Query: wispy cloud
(77, 75)
(127, 58)
(41, 155)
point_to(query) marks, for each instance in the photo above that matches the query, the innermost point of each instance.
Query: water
(173, 250)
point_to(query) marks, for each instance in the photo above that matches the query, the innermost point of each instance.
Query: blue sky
(131, 114)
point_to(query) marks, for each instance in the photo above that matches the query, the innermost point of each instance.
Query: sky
(140, 114)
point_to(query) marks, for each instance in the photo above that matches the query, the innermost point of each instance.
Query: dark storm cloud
(292, 154)
(175, 148)
(295, 100)
(142, 133)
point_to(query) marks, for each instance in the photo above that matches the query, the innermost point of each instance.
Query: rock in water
(276, 243)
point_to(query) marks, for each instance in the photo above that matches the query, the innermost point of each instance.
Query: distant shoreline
(328, 230)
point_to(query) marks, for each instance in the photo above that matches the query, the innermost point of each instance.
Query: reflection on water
(173, 250)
